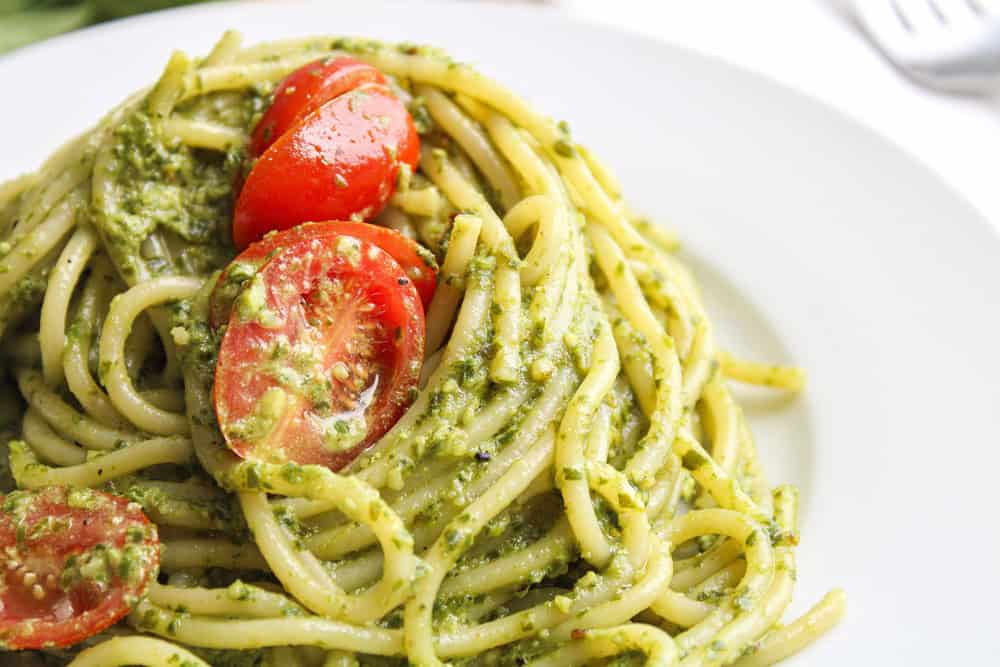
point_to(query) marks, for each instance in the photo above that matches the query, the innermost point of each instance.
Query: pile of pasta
(573, 484)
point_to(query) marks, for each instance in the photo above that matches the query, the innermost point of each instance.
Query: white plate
(817, 241)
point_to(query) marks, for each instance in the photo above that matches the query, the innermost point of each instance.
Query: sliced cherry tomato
(73, 561)
(418, 263)
(337, 163)
(322, 352)
(305, 90)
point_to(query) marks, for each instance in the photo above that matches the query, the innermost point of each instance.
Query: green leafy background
(25, 21)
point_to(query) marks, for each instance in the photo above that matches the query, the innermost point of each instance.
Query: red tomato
(337, 163)
(305, 90)
(322, 352)
(418, 264)
(74, 562)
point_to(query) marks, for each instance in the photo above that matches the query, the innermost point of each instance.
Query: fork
(949, 45)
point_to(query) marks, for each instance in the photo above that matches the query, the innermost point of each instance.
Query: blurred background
(23, 22)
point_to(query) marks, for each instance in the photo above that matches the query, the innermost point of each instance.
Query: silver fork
(950, 45)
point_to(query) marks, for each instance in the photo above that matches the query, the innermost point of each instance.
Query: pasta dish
(330, 352)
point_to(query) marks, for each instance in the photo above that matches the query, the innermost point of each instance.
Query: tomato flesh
(339, 162)
(417, 263)
(74, 562)
(305, 90)
(321, 354)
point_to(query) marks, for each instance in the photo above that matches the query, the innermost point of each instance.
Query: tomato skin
(305, 90)
(417, 263)
(337, 163)
(324, 307)
(56, 524)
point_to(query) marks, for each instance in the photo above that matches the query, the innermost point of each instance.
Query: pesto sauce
(251, 303)
(158, 185)
(258, 426)
(198, 357)
(103, 564)
(24, 298)
(514, 529)
(221, 511)
(231, 108)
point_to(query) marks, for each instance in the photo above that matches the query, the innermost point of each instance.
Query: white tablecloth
(813, 46)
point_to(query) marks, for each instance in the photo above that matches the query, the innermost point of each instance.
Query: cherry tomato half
(73, 561)
(418, 264)
(322, 352)
(305, 90)
(337, 163)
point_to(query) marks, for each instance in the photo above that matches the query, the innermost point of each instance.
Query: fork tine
(958, 12)
(919, 15)
(978, 7)
(883, 23)
(942, 45)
